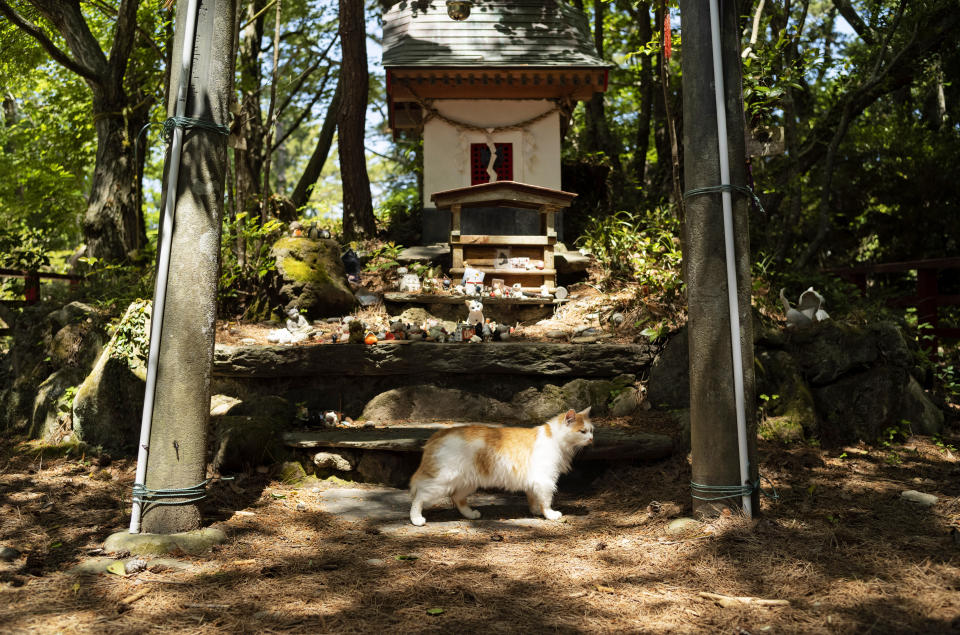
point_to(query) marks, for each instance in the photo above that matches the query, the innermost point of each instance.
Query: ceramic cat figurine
(458, 461)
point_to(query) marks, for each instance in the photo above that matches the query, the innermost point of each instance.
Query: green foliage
(132, 339)
(116, 285)
(384, 258)
(23, 248)
(245, 248)
(641, 247)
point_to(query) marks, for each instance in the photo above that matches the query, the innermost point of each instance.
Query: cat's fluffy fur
(458, 461)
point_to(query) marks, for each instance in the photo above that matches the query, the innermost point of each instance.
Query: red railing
(31, 289)
(927, 299)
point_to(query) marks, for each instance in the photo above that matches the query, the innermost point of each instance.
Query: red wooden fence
(31, 291)
(927, 298)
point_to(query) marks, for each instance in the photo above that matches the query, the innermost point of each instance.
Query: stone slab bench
(610, 444)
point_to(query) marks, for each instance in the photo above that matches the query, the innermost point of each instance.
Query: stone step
(541, 359)
(610, 444)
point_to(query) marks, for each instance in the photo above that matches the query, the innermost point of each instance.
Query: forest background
(862, 92)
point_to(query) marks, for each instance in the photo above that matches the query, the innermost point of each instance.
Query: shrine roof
(498, 34)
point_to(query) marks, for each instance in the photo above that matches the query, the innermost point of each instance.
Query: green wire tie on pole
(742, 189)
(720, 492)
(185, 495)
(190, 122)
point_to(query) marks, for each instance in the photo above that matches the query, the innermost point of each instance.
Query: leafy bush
(245, 246)
(641, 247)
(23, 248)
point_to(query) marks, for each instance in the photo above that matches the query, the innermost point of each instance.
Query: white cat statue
(475, 312)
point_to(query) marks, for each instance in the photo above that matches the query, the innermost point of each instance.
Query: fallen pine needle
(728, 601)
(205, 606)
(133, 597)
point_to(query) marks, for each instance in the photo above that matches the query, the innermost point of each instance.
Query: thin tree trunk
(271, 115)
(248, 158)
(301, 193)
(645, 33)
(358, 219)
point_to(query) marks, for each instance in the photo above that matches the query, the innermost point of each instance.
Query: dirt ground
(841, 546)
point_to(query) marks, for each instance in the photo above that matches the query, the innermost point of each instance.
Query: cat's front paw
(551, 514)
(472, 514)
(419, 521)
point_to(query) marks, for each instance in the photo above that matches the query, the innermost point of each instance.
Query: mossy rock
(783, 429)
(291, 473)
(311, 277)
(242, 441)
(109, 403)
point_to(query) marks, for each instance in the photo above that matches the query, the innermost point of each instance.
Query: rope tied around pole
(720, 492)
(726, 187)
(191, 122)
(184, 495)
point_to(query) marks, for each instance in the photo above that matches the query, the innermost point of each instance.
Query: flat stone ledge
(610, 444)
(192, 542)
(550, 359)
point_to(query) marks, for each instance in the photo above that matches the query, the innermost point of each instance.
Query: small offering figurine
(808, 310)
(475, 312)
(409, 283)
(517, 291)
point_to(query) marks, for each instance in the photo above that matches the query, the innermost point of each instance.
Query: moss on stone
(304, 272)
(784, 429)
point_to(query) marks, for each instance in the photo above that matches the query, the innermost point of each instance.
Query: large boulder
(789, 409)
(536, 406)
(52, 419)
(311, 277)
(241, 442)
(863, 405)
(429, 403)
(831, 350)
(109, 403)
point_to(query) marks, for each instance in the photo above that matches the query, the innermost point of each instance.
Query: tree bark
(645, 33)
(181, 412)
(598, 137)
(248, 159)
(713, 415)
(358, 219)
(301, 194)
(112, 225)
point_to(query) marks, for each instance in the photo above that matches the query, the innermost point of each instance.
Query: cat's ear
(570, 418)
(585, 412)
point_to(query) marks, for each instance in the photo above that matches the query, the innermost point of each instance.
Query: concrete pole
(177, 449)
(713, 413)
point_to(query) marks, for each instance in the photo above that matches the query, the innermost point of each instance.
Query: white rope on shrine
(564, 105)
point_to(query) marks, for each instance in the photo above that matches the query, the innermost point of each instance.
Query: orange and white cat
(458, 461)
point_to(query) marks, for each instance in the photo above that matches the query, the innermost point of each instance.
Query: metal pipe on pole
(163, 261)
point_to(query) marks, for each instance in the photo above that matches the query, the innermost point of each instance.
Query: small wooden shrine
(513, 259)
(490, 93)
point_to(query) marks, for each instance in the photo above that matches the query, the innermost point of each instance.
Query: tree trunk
(113, 224)
(248, 159)
(644, 32)
(661, 179)
(181, 412)
(713, 409)
(598, 137)
(358, 219)
(301, 194)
